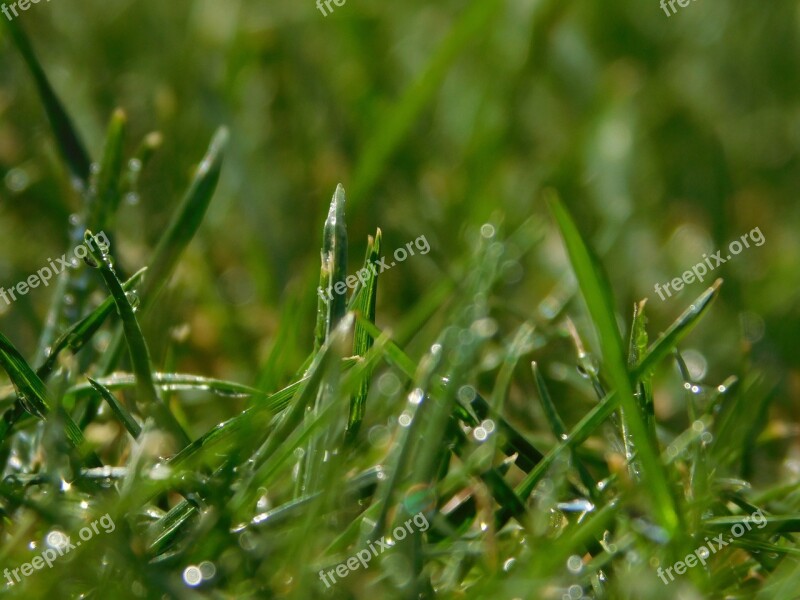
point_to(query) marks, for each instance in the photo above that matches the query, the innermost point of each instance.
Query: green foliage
(237, 425)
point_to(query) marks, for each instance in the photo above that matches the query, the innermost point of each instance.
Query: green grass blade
(33, 397)
(181, 230)
(333, 268)
(594, 287)
(637, 348)
(186, 220)
(560, 429)
(679, 329)
(362, 339)
(31, 390)
(137, 347)
(106, 188)
(67, 139)
(173, 382)
(82, 332)
(120, 411)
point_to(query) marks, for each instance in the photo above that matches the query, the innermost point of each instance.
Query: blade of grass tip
(104, 202)
(68, 141)
(362, 339)
(137, 347)
(334, 259)
(330, 309)
(560, 429)
(150, 144)
(679, 329)
(119, 411)
(597, 295)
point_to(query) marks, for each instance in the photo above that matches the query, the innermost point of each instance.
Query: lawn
(476, 299)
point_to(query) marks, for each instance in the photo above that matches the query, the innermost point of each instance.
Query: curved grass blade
(153, 405)
(594, 287)
(172, 382)
(181, 229)
(31, 390)
(120, 411)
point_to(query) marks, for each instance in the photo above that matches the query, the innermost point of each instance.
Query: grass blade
(120, 411)
(105, 199)
(33, 397)
(67, 139)
(137, 347)
(187, 218)
(362, 339)
(560, 429)
(597, 295)
(82, 332)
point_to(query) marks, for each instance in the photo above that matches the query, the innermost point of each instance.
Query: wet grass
(587, 496)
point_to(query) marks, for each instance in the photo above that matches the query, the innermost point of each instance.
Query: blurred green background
(666, 136)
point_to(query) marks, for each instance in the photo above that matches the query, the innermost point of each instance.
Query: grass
(585, 496)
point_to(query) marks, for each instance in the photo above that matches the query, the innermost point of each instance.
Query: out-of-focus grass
(666, 137)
